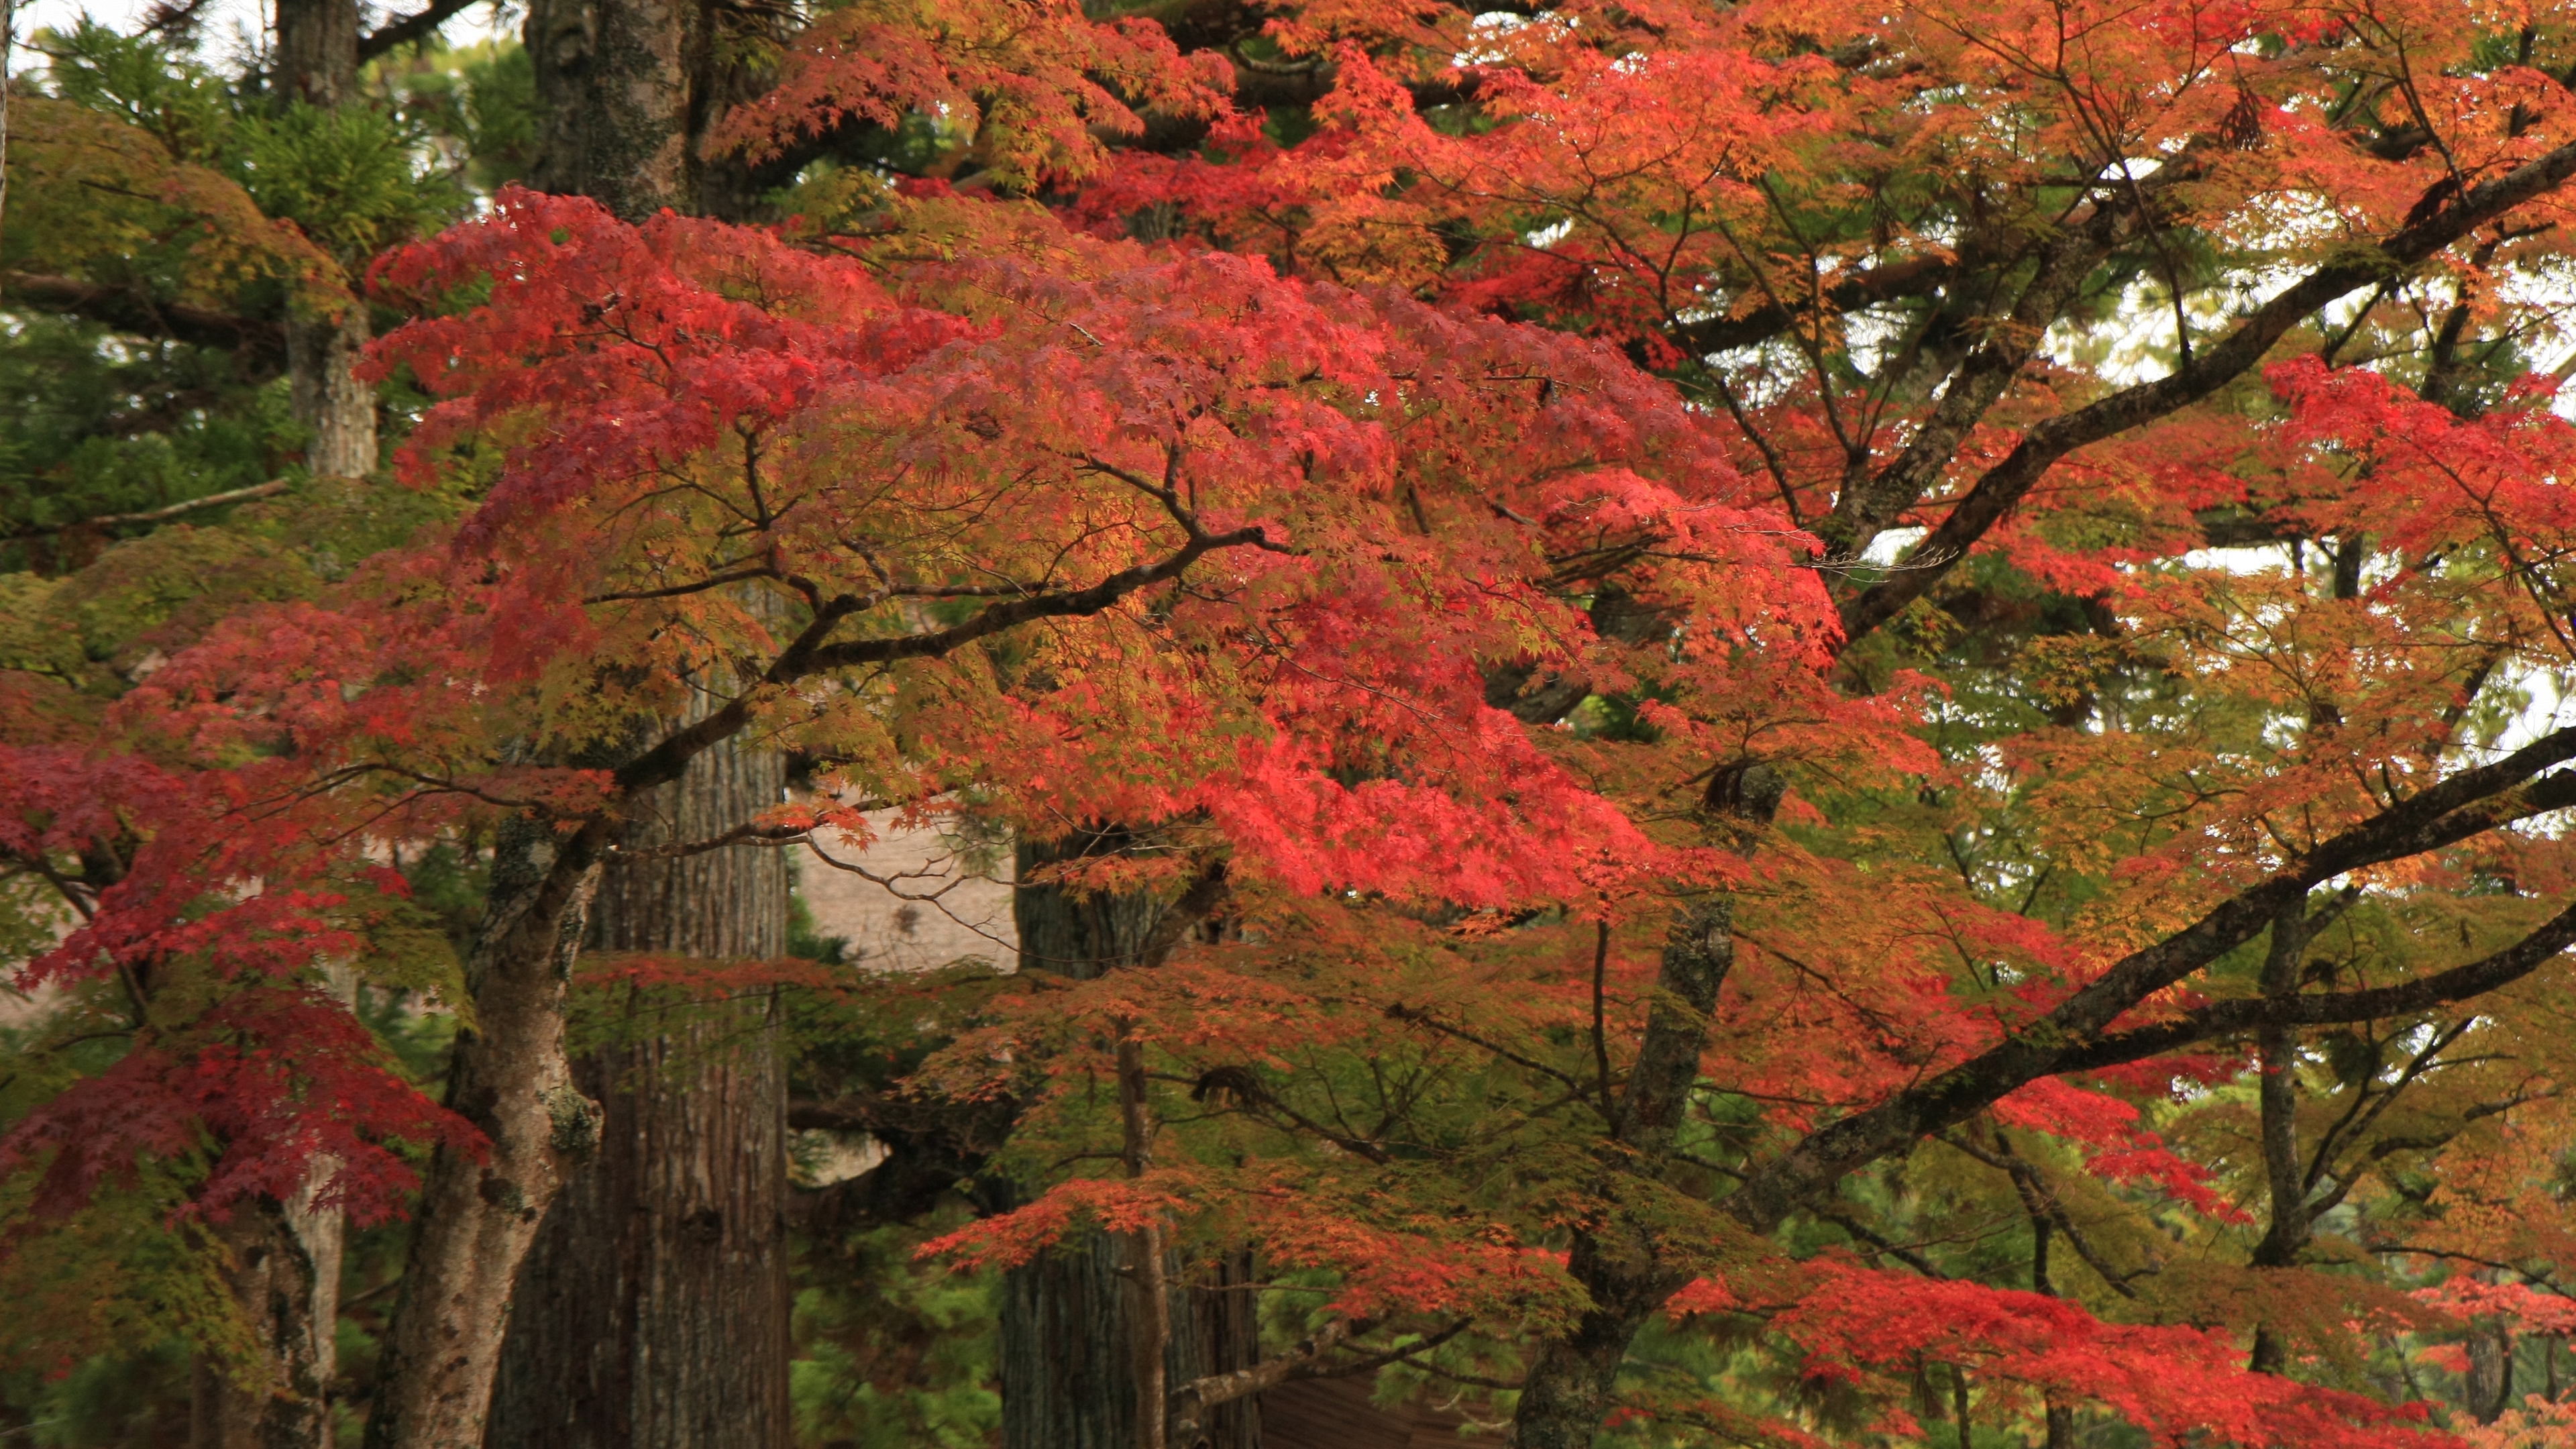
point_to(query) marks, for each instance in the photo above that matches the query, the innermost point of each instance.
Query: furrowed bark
(615, 126)
(633, 86)
(1150, 1281)
(317, 64)
(2490, 1377)
(653, 1308)
(656, 1300)
(1077, 1322)
(1067, 1366)
(317, 52)
(1619, 1261)
(327, 396)
(511, 1078)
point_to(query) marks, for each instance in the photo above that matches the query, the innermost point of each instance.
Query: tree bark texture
(628, 90)
(317, 52)
(317, 63)
(327, 397)
(1069, 1335)
(1086, 936)
(285, 1273)
(653, 1310)
(1072, 1322)
(477, 1219)
(2490, 1379)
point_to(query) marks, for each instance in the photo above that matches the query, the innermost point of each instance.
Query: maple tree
(1615, 195)
(1838, 717)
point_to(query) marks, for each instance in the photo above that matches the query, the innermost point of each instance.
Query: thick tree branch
(809, 654)
(987, 622)
(2007, 482)
(1311, 1359)
(260, 342)
(2379, 1003)
(2066, 1039)
(409, 28)
(1192, 1400)
(933, 1146)
(1869, 504)
(1913, 277)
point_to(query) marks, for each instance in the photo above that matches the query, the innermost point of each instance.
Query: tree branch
(993, 620)
(2007, 482)
(1199, 1395)
(261, 342)
(409, 28)
(269, 489)
(2334, 1008)
(2068, 1038)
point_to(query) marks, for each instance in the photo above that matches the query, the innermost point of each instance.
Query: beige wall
(889, 927)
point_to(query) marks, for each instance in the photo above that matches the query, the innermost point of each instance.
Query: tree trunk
(2285, 1235)
(286, 1256)
(285, 1273)
(653, 1310)
(1067, 1350)
(2490, 1385)
(317, 63)
(654, 1306)
(327, 397)
(1069, 1336)
(627, 92)
(614, 100)
(1619, 1263)
(317, 52)
(1072, 1322)
(510, 1078)
(1218, 1330)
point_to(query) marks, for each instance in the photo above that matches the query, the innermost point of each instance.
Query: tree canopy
(1721, 724)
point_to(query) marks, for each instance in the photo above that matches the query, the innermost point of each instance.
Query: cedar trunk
(627, 90)
(327, 397)
(1070, 1325)
(653, 1310)
(1069, 1339)
(317, 63)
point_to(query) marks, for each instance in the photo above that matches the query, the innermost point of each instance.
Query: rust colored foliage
(1856, 709)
